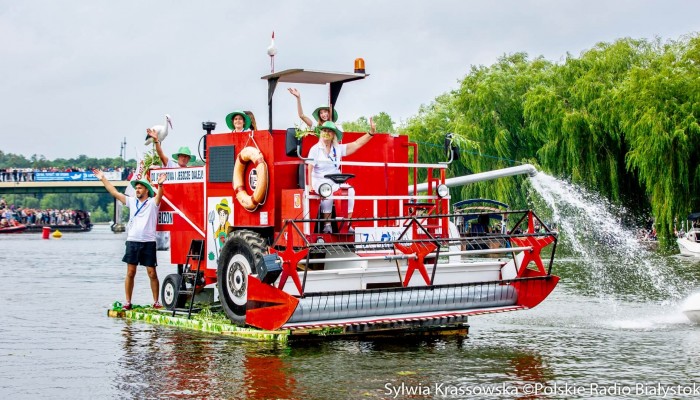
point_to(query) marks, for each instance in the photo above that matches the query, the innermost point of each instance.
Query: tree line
(620, 119)
(10, 160)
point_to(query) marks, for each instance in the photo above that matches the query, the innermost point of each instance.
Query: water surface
(57, 342)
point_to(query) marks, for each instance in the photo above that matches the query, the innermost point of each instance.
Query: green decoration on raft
(206, 321)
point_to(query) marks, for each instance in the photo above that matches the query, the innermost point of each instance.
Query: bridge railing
(74, 176)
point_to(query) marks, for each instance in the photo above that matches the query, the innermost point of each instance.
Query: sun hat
(318, 118)
(145, 183)
(229, 119)
(223, 206)
(184, 150)
(331, 126)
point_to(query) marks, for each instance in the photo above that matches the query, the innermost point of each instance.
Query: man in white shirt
(141, 232)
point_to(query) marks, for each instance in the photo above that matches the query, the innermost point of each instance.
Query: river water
(57, 342)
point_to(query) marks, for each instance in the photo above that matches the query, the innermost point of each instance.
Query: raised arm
(303, 117)
(108, 185)
(354, 146)
(163, 158)
(159, 193)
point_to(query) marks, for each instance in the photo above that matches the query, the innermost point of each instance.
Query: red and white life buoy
(248, 201)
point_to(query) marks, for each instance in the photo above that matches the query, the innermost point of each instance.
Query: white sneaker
(351, 230)
(327, 228)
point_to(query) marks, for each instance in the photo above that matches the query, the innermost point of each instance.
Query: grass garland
(203, 321)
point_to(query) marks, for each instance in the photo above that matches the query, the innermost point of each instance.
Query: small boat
(689, 243)
(477, 217)
(693, 315)
(691, 308)
(480, 220)
(82, 224)
(13, 227)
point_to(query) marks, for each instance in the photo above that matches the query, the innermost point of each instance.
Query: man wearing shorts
(141, 232)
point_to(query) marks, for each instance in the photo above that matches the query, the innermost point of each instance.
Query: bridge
(58, 187)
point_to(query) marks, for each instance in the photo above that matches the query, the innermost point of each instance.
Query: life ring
(247, 155)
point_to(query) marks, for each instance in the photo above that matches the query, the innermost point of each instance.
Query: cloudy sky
(80, 76)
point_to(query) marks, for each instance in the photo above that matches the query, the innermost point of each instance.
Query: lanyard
(334, 158)
(139, 208)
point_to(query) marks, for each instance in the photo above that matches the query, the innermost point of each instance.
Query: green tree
(659, 107)
(382, 121)
(621, 119)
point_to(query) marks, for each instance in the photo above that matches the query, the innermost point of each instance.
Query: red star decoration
(290, 260)
(537, 243)
(421, 250)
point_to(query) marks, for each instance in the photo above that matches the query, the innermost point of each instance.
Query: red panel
(182, 208)
(268, 307)
(533, 292)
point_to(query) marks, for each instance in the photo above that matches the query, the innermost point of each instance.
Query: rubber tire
(170, 292)
(242, 252)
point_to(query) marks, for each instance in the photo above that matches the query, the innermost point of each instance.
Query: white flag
(137, 174)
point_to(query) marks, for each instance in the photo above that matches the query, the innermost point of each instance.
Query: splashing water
(616, 261)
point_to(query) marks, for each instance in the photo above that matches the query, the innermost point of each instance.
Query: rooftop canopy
(335, 79)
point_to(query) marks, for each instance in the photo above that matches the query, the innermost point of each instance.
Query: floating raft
(378, 329)
(166, 318)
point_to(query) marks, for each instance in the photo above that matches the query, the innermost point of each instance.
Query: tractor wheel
(241, 254)
(170, 292)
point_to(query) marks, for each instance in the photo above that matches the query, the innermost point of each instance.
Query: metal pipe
(528, 169)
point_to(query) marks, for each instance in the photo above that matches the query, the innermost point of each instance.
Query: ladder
(195, 253)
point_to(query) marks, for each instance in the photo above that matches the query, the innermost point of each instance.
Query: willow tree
(576, 117)
(486, 117)
(620, 119)
(659, 107)
(429, 128)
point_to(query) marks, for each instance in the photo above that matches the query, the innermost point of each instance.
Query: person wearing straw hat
(326, 156)
(183, 155)
(321, 114)
(141, 232)
(238, 121)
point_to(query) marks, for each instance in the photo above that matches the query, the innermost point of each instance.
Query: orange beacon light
(359, 66)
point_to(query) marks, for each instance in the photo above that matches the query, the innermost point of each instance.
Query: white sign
(380, 234)
(179, 175)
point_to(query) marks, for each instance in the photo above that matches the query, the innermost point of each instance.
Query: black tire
(241, 254)
(170, 292)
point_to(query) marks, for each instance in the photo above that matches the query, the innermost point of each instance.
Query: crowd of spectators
(31, 216)
(27, 174)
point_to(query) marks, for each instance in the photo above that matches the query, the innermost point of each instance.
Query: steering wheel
(339, 178)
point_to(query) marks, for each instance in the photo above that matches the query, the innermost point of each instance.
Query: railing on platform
(416, 241)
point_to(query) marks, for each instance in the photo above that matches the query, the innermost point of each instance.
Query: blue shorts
(143, 253)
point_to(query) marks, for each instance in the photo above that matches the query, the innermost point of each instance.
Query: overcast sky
(77, 77)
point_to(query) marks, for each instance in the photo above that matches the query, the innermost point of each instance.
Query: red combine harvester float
(248, 224)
